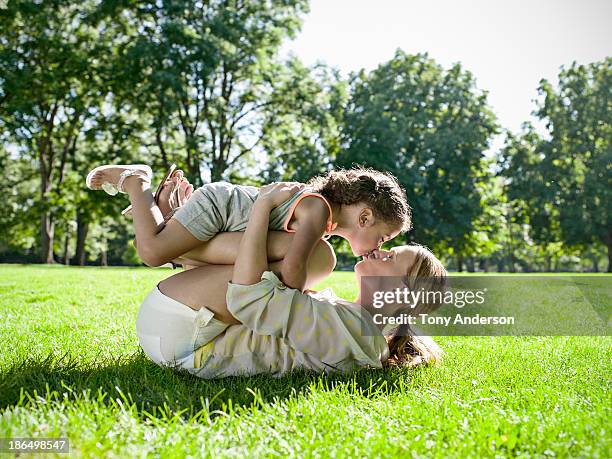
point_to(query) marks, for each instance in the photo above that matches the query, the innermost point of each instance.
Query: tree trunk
(47, 225)
(218, 167)
(595, 264)
(459, 262)
(194, 173)
(511, 263)
(215, 174)
(470, 264)
(501, 266)
(160, 145)
(82, 228)
(548, 263)
(45, 166)
(483, 265)
(47, 230)
(607, 240)
(193, 164)
(104, 258)
(67, 250)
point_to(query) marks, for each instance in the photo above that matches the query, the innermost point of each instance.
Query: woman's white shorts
(170, 332)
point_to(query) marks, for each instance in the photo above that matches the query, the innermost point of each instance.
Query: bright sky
(508, 45)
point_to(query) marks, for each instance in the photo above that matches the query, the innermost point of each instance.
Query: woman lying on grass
(221, 320)
(186, 318)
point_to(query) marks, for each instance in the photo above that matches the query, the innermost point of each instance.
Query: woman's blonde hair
(405, 347)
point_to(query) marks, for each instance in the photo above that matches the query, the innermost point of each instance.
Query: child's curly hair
(381, 191)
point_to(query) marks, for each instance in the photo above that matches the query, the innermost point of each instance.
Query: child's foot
(110, 179)
(174, 193)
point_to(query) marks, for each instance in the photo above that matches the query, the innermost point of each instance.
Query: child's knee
(323, 260)
(150, 255)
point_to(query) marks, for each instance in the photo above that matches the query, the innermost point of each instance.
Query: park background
(230, 90)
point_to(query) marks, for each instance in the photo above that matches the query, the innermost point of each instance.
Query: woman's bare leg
(202, 286)
(207, 285)
(222, 249)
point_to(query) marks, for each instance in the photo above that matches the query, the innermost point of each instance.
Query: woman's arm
(252, 259)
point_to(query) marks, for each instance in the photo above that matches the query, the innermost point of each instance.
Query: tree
(530, 190)
(17, 180)
(578, 156)
(429, 127)
(303, 139)
(206, 69)
(561, 186)
(45, 86)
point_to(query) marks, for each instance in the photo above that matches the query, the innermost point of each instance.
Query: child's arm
(252, 259)
(311, 215)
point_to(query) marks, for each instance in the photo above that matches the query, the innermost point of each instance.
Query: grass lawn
(71, 366)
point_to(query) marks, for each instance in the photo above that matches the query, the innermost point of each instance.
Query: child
(364, 206)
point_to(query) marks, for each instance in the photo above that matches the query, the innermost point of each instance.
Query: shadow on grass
(161, 391)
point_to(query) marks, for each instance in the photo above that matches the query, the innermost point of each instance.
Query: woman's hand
(274, 194)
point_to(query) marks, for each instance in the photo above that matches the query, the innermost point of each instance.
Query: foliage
(46, 53)
(430, 128)
(206, 70)
(201, 84)
(305, 140)
(561, 186)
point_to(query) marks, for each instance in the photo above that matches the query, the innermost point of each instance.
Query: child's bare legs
(207, 285)
(157, 243)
